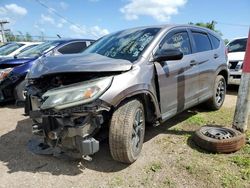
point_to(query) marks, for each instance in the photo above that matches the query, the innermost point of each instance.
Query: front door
(178, 80)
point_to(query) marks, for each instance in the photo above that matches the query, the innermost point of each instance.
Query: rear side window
(73, 48)
(202, 42)
(215, 41)
(179, 41)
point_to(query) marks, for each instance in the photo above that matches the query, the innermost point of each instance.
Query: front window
(38, 50)
(127, 44)
(238, 45)
(9, 48)
(177, 41)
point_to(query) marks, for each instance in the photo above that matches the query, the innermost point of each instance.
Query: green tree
(226, 41)
(28, 37)
(209, 25)
(20, 36)
(42, 37)
(10, 36)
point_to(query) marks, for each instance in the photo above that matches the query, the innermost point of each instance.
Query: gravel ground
(165, 153)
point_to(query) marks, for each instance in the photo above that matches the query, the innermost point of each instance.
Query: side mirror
(168, 55)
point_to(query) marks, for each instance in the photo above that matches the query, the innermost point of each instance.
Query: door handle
(193, 62)
(216, 56)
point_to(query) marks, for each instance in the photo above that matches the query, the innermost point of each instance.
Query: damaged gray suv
(120, 83)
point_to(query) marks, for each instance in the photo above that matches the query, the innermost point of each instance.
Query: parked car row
(10, 50)
(13, 71)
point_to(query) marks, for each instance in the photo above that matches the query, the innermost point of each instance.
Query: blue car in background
(13, 71)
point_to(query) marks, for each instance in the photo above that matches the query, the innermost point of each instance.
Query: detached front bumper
(72, 130)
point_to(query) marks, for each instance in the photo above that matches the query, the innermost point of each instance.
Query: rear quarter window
(73, 48)
(202, 42)
(215, 41)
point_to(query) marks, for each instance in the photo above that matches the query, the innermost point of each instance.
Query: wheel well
(224, 73)
(148, 105)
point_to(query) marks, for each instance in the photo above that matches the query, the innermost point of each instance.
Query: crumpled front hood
(78, 63)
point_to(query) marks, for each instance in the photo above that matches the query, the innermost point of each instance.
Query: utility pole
(2, 22)
(243, 101)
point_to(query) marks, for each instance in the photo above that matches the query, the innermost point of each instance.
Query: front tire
(126, 132)
(219, 94)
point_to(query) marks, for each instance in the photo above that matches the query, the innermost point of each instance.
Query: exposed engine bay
(72, 129)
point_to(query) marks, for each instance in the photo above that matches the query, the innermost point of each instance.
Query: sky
(95, 18)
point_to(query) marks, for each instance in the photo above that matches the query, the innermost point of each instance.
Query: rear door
(178, 80)
(205, 58)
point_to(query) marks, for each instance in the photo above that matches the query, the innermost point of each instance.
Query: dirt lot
(169, 158)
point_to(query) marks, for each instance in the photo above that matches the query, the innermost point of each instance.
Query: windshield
(238, 45)
(127, 44)
(9, 48)
(38, 50)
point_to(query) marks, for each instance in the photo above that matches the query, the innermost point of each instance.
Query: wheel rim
(218, 133)
(220, 93)
(24, 94)
(137, 133)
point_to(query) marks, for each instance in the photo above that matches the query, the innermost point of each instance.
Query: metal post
(2, 30)
(243, 101)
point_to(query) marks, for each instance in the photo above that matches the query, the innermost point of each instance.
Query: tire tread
(120, 131)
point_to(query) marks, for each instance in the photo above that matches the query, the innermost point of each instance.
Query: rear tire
(126, 133)
(219, 93)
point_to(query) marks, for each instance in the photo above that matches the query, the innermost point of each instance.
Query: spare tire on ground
(219, 139)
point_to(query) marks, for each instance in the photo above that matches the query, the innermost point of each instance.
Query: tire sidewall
(219, 146)
(121, 130)
(217, 80)
(134, 155)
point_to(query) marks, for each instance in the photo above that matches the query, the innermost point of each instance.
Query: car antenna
(58, 36)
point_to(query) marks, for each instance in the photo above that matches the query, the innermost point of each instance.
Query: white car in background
(10, 50)
(236, 53)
